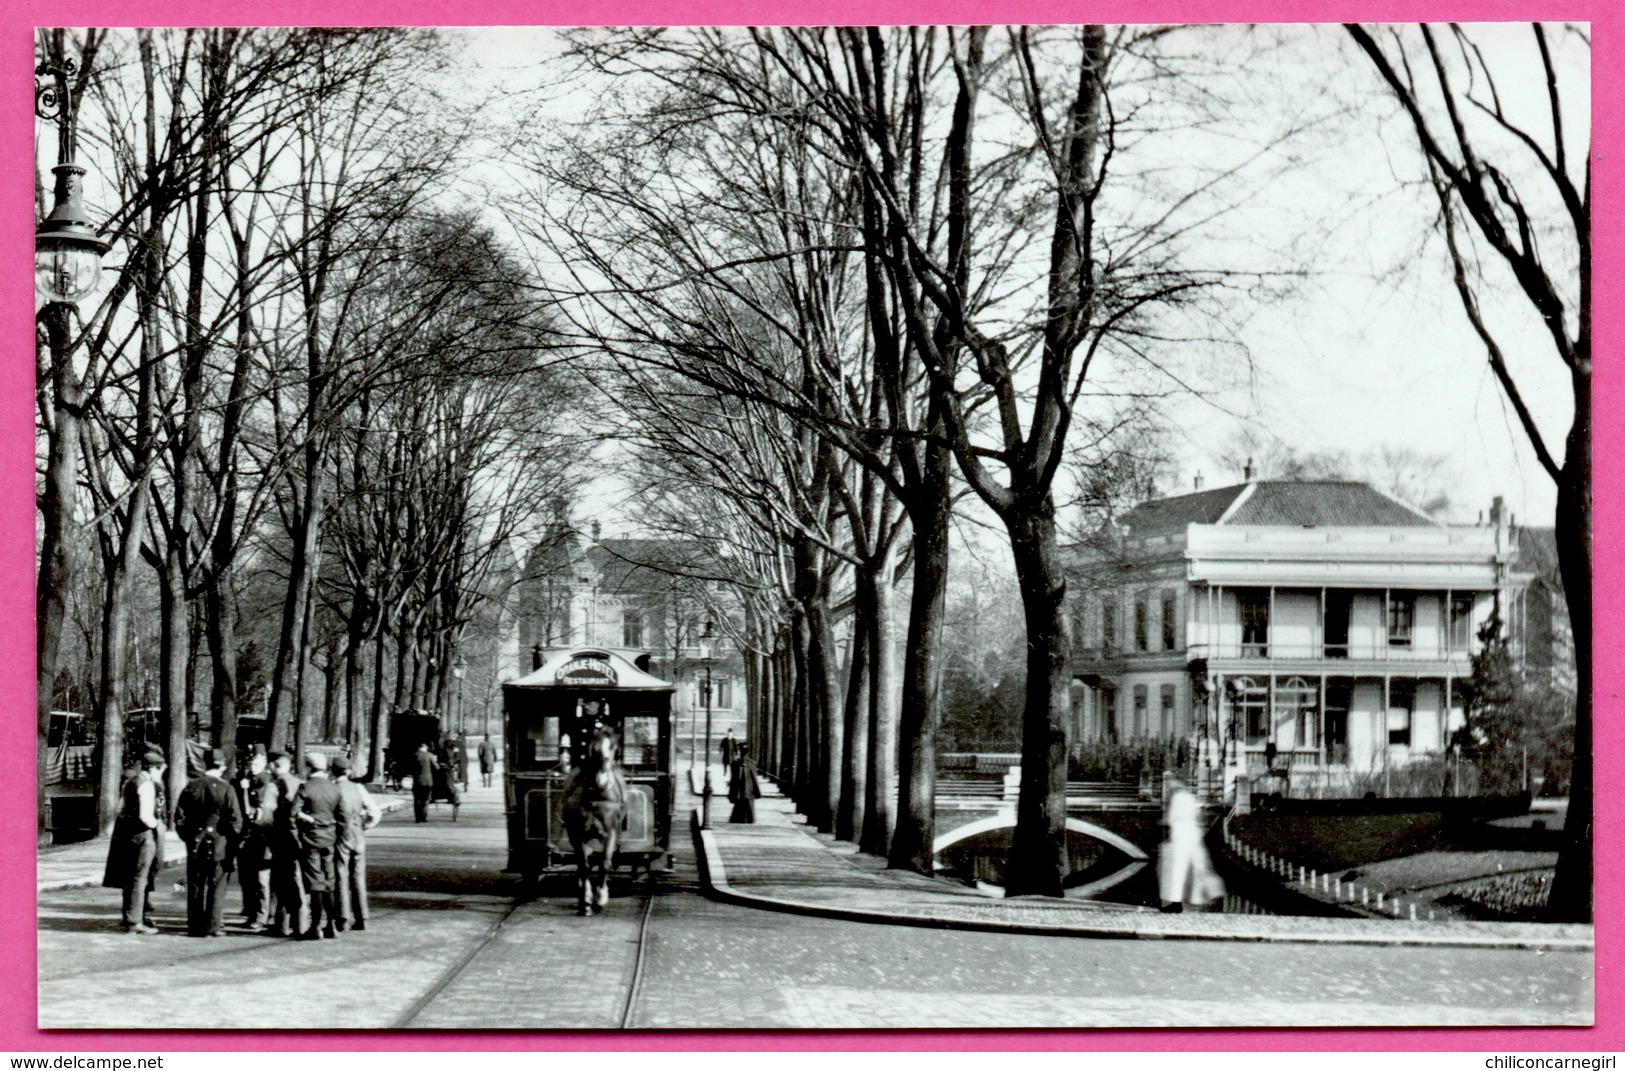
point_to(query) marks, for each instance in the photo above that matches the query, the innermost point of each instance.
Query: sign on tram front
(587, 670)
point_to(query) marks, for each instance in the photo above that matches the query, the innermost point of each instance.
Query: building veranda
(1316, 627)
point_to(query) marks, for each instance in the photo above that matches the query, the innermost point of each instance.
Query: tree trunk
(922, 676)
(1038, 852)
(172, 656)
(875, 835)
(853, 803)
(1571, 897)
(287, 704)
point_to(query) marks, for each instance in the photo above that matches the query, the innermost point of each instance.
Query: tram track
(624, 1020)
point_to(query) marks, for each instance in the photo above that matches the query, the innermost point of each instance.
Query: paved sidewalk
(80, 866)
(778, 864)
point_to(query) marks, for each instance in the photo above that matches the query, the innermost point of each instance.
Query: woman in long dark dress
(743, 789)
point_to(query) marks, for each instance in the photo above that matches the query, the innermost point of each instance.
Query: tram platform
(779, 864)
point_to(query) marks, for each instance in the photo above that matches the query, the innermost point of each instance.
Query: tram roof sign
(591, 668)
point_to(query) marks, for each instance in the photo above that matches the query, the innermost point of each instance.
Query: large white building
(1321, 617)
(650, 596)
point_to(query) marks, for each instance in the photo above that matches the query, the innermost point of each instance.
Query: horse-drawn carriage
(575, 701)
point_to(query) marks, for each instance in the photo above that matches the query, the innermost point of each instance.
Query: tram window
(543, 735)
(640, 741)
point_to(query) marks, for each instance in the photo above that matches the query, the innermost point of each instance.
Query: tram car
(550, 717)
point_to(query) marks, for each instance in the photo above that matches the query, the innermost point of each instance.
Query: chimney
(596, 528)
(1497, 508)
(1198, 479)
(1247, 473)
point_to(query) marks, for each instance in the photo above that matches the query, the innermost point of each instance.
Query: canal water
(1112, 875)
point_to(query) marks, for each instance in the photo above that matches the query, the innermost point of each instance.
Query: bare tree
(1511, 174)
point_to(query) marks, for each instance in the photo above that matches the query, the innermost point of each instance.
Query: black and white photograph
(816, 528)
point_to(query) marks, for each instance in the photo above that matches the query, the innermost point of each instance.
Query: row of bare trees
(308, 411)
(841, 276)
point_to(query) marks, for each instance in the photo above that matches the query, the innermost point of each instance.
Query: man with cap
(324, 820)
(350, 860)
(257, 797)
(135, 853)
(488, 760)
(209, 820)
(292, 913)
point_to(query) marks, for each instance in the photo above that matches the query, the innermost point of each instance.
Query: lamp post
(705, 696)
(459, 669)
(67, 269)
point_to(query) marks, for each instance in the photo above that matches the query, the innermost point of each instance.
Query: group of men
(299, 845)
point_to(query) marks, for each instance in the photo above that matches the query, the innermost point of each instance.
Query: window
(1296, 724)
(1401, 702)
(1108, 623)
(1401, 618)
(725, 693)
(1170, 639)
(632, 629)
(1249, 710)
(1461, 622)
(1167, 728)
(1142, 638)
(1139, 711)
(1108, 712)
(1339, 609)
(1255, 623)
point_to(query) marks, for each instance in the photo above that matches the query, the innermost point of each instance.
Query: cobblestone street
(453, 945)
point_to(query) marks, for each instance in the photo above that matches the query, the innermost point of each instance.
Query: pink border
(17, 933)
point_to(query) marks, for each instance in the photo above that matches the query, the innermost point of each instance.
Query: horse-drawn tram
(555, 718)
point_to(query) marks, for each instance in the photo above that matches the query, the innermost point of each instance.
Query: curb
(714, 880)
(171, 859)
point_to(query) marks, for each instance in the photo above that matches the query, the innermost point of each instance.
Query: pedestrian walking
(461, 752)
(350, 861)
(423, 782)
(488, 760)
(743, 789)
(292, 914)
(729, 749)
(1184, 871)
(447, 784)
(256, 795)
(324, 820)
(136, 852)
(209, 820)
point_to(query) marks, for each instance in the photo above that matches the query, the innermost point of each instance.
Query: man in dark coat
(135, 853)
(324, 820)
(292, 914)
(422, 782)
(729, 750)
(257, 795)
(743, 789)
(488, 760)
(209, 821)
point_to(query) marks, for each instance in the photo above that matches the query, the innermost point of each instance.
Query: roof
(589, 668)
(1288, 503)
(639, 565)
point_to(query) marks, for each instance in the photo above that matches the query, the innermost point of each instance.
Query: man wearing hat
(135, 853)
(350, 859)
(292, 913)
(209, 821)
(257, 796)
(324, 820)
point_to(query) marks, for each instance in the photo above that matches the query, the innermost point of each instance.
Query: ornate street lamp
(459, 670)
(705, 695)
(67, 250)
(67, 269)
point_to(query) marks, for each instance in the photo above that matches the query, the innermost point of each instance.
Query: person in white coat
(1184, 870)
